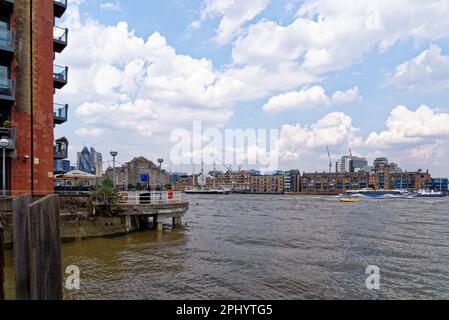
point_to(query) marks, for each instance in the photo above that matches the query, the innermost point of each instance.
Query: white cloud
(427, 72)
(233, 14)
(112, 6)
(335, 129)
(407, 127)
(310, 98)
(121, 81)
(328, 36)
(89, 132)
(412, 138)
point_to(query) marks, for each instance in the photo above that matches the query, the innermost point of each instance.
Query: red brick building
(29, 42)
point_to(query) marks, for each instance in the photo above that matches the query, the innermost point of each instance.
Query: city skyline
(377, 87)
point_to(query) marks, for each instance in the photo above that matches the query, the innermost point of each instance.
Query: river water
(273, 247)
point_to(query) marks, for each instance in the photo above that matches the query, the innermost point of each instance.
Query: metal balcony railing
(61, 150)
(7, 89)
(7, 38)
(10, 135)
(60, 38)
(60, 75)
(60, 112)
(59, 7)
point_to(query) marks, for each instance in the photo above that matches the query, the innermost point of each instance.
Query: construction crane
(330, 160)
(228, 168)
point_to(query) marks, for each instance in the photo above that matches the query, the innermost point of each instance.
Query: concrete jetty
(155, 205)
(138, 211)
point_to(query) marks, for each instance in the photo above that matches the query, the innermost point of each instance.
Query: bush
(7, 124)
(105, 200)
(107, 182)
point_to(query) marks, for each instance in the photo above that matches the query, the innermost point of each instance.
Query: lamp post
(160, 177)
(4, 143)
(113, 154)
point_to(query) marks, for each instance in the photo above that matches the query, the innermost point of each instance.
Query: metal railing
(7, 89)
(143, 198)
(60, 34)
(61, 2)
(10, 135)
(60, 112)
(60, 73)
(7, 38)
(61, 150)
(59, 6)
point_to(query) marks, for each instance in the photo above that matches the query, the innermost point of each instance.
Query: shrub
(105, 200)
(7, 124)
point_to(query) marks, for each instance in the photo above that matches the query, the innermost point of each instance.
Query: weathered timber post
(44, 244)
(21, 251)
(177, 222)
(158, 223)
(2, 266)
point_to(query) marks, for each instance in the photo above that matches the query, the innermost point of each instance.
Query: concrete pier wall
(78, 224)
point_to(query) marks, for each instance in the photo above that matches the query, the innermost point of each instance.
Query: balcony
(60, 112)
(7, 90)
(10, 135)
(61, 149)
(59, 7)
(60, 36)
(7, 38)
(60, 75)
(6, 6)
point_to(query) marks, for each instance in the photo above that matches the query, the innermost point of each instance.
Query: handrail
(150, 197)
(63, 2)
(7, 38)
(60, 34)
(60, 110)
(7, 87)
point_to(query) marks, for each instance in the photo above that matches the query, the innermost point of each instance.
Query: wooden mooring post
(37, 248)
(20, 234)
(2, 266)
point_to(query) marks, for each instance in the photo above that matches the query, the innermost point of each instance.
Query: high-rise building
(348, 164)
(90, 161)
(380, 162)
(29, 40)
(130, 174)
(85, 162)
(62, 166)
(290, 181)
(97, 161)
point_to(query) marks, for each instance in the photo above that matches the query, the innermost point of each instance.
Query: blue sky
(367, 75)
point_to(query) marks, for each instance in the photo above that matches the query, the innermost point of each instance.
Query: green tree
(107, 182)
(104, 200)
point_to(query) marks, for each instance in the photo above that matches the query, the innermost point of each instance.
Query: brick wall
(43, 136)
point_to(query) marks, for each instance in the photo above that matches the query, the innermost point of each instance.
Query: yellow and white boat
(349, 199)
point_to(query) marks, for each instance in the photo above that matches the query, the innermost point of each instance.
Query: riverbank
(77, 223)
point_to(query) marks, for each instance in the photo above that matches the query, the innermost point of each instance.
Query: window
(4, 32)
(4, 82)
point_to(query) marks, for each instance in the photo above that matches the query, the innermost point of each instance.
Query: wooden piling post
(44, 244)
(21, 251)
(2, 266)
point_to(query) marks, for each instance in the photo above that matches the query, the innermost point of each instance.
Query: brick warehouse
(29, 42)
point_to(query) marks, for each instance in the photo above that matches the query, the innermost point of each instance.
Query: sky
(361, 75)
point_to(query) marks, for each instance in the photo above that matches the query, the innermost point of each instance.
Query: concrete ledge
(168, 209)
(78, 224)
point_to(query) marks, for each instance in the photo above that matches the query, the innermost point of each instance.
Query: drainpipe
(31, 96)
